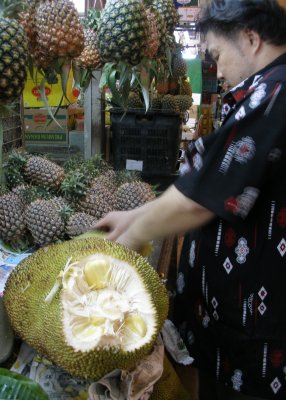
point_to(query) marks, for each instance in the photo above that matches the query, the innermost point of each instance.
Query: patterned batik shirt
(230, 303)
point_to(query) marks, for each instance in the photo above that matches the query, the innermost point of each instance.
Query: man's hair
(228, 17)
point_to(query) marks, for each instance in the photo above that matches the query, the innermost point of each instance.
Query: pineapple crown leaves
(82, 77)
(65, 212)
(126, 176)
(17, 158)
(4, 189)
(13, 176)
(73, 163)
(92, 19)
(117, 77)
(30, 193)
(74, 185)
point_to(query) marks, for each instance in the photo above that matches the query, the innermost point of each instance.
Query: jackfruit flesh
(89, 306)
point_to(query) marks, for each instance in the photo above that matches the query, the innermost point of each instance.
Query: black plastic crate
(149, 140)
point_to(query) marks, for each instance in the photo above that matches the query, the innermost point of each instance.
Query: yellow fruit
(96, 273)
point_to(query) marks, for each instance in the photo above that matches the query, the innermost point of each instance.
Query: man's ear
(254, 40)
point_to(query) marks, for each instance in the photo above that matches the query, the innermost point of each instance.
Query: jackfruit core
(105, 304)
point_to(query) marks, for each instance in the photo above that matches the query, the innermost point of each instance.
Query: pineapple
(44, 221)
(179, 66)
(156, 103)
(184, 102)
(13, 55)
(133, 194)
(36, 170)
(185, 87)
(90, 57)
(134, 100)
(169, 103)
(122, 31)
(106, 180)
(79, 223)
(162, 30)
(153, 36)
(12, 224)
(168, 11)
(43, 172)
(97, 203)
(59, 29)
(28, 193)
(57, 32)
(27, 20)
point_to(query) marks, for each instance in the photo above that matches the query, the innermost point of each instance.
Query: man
(231, 301)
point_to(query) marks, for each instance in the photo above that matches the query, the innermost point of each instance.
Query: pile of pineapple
(44, 202)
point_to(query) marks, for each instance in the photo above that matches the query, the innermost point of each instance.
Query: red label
(40, 118)
(36, 91)
(75, 92)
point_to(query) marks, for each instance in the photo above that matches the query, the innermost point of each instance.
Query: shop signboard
(180, 3)
(188, 14)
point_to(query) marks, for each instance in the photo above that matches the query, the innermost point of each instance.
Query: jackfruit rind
(40, 323)
(169, 386)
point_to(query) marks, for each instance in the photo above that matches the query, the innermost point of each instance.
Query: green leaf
(145, 85)
(16, 386)
(64, 73)
(45, 100)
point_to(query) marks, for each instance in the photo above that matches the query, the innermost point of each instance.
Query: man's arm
(171, 213)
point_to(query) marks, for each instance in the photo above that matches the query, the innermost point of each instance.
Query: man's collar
(247, 86)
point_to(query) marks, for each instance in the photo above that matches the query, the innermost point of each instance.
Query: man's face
(232, 57)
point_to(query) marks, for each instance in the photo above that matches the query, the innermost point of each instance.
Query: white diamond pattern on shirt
(262, 308)
(242, 251)
(227, 265)
(214, 302)
(215, 315)
(275, 385)
(262, 293)
(282, 247)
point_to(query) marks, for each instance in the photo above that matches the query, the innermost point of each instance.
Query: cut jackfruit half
(90, 305)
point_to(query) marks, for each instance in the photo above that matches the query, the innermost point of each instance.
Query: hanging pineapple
(153, 37)
(168, 11)
(58, 27)
(90, 57)
(13, 54)
(122, 31)
(54, 32)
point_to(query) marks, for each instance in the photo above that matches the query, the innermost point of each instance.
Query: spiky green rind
(13, 60)
(122, 31)
(40, 323)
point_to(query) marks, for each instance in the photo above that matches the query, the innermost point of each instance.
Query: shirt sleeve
(232, 166)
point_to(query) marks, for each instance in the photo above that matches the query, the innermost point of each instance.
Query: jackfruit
(169, 386)
(88, 305)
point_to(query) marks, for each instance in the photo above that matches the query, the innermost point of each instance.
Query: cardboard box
(54, 93)
(41, 128)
